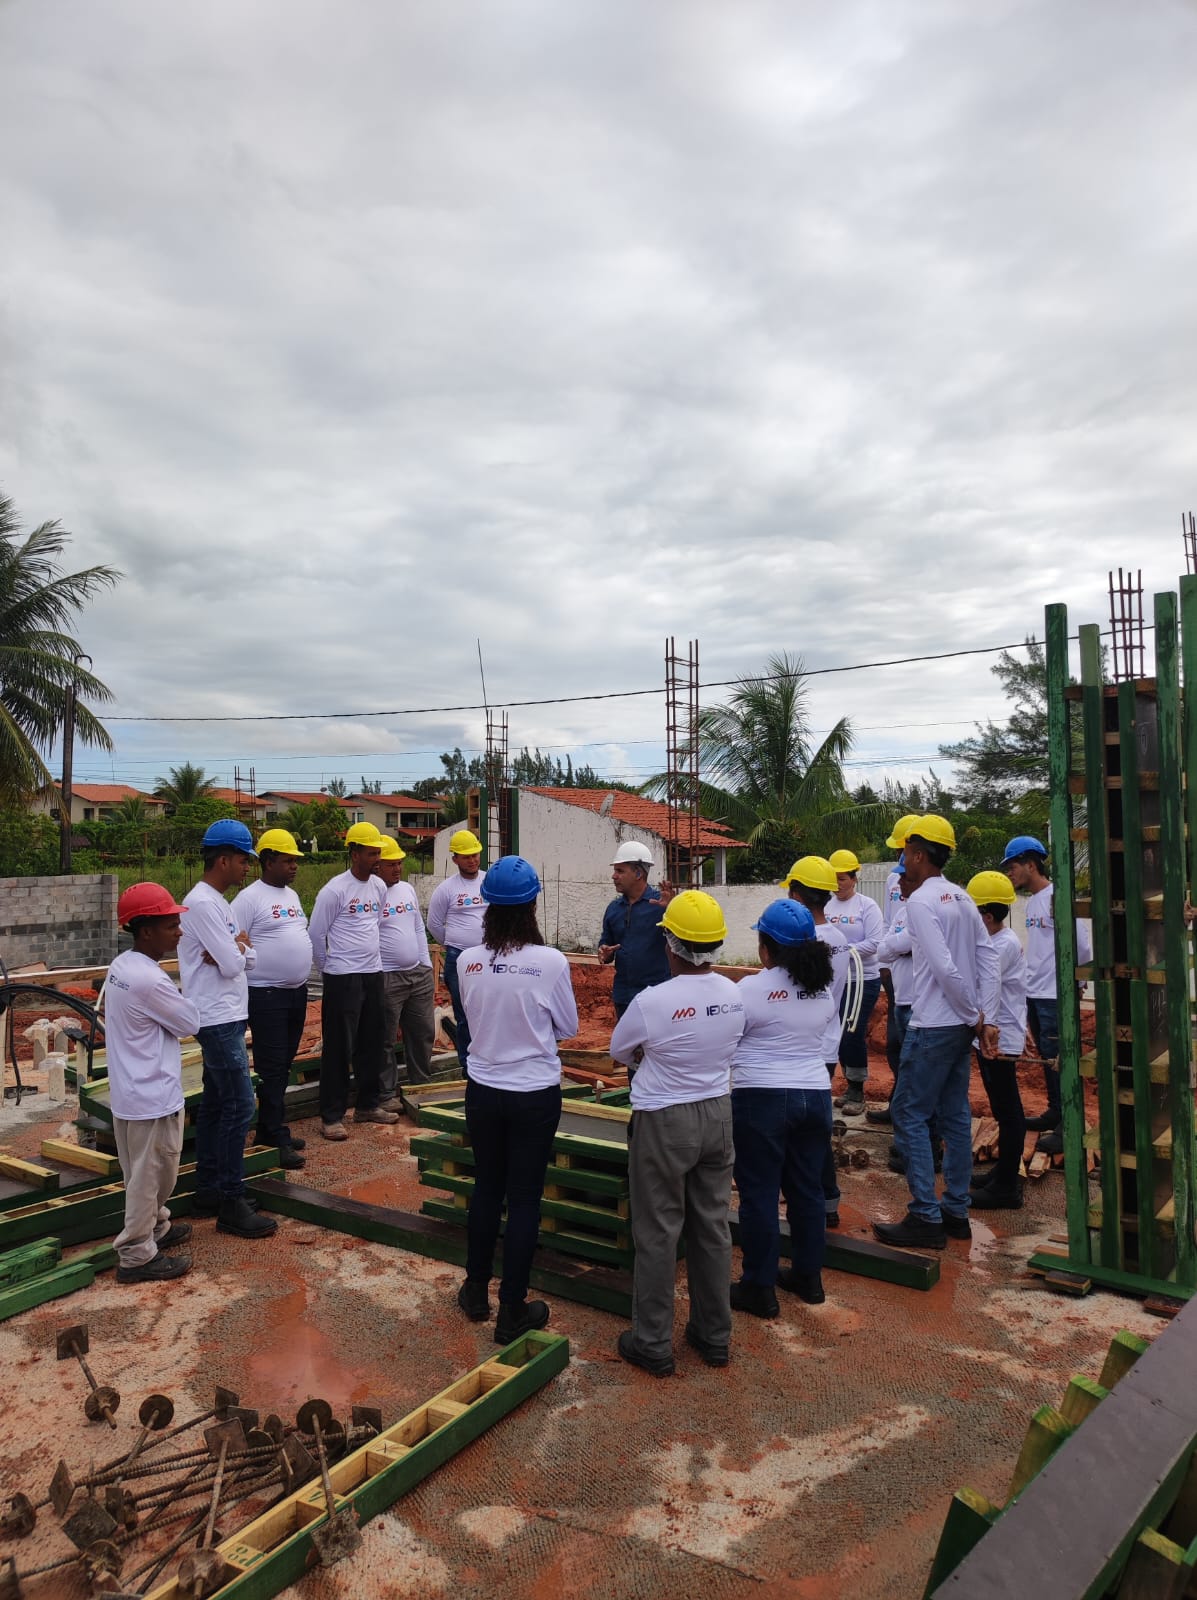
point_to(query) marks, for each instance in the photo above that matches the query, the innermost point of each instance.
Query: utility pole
(68, 762)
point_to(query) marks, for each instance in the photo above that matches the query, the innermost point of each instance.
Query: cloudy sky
(354, 334)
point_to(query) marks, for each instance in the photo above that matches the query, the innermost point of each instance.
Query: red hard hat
(145, 900)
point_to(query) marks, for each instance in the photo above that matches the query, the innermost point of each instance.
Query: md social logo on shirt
(282, 913)
(684, 1014)
(368, 908)
(466, 900)
(474, 966)
(780, 994)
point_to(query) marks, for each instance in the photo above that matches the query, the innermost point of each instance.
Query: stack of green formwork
(586, 1208)
(1130, 1223)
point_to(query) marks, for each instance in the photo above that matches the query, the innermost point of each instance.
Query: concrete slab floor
(820, 1463)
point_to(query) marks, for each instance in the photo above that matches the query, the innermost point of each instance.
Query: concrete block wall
(65, 922)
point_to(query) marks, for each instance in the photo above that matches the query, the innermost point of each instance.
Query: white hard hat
(633, 851)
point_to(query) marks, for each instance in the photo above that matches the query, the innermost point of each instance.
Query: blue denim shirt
(641, 959)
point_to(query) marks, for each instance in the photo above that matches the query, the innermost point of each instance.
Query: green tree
(184, 785)
(28, 844)
(133, 812)
(323, 820)
(763, 775)
(38, 665)
(338, 788)
(1003, 769)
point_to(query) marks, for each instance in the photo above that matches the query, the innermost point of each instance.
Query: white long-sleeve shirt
(219, 987)
(838, 945)
(955, 964)
(402, 940)
(894, 952)
(892, 898)
(688, 1029)
(1011, 1015)
(455, 911)
(784, 1031)
(517, 1005)
(145, 1016)
(1041, 945)
(278, 929)
(344, 925)
(861, 923)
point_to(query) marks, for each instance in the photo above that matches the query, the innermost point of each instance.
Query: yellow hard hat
(364, 833)
(695, 917)
(391, 850)
(464, 843)
(843, 861)
(989, 888)
(935, 829)
(900, 829)
(280, 841)
(812, 872)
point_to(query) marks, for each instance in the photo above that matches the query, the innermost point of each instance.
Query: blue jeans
(226, 1109)
(511, 1132)
(781, 1137)
(462, 1044)
(854, 1043)
(933, 1082)
(1043, 1019)
(831, 1183)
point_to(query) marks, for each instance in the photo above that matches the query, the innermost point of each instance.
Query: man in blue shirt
(631, 937)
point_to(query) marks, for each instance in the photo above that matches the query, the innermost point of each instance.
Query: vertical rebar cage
(1123, 763)
(683, 862)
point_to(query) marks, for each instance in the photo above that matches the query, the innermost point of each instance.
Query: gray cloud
(352, 337)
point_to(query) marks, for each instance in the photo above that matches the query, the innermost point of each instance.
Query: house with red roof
(95, 802)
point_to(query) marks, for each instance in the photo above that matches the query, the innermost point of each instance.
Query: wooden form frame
(276, 1548)
(569, 1278)
(1135, 1234)
(1104, 1508)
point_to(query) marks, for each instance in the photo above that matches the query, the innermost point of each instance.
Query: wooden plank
(28, 1261)
(74, 1155)
(1106, 1277)
(1158, 1569)
(275, 1549)
(28, 1172)
(970, 1517)
(1059, 743)
(1081, 1399)
(552, 1272)
(1048, 1430)
(1112, 1247)
(866, 1258)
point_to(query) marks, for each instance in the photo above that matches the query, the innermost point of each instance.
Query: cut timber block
(1082, 1396)
(73, 1155)
(28, 1261)
(970, 1516)
(1125, 1349)
(274, 1550)
(27, 1172)
(49, 1286)
(1047, 1432)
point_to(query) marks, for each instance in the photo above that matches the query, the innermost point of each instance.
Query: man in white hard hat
(631, 936)
(455, 921)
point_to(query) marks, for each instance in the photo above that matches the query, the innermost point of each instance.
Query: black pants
(512, 1135)
(1000, 1078)
(276, 1019)
(351, 1019)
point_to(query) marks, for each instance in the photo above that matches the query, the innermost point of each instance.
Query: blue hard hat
(512, 881)
(786, 922)
(1024, 844)
(231, 834)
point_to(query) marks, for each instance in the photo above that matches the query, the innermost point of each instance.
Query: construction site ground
(819, 1463)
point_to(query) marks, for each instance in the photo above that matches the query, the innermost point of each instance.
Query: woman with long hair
(781, 1108)
(519, 1001)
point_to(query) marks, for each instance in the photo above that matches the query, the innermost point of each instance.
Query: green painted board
(49, 1286)
(970, 1517)
(865, 1258)
(1111, 1277)
(28, 1261)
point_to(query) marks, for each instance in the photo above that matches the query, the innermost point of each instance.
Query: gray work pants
(149, 1155)
(680, 1169)
(407, 1003)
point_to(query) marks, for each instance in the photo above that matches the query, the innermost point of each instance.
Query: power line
(577, 699)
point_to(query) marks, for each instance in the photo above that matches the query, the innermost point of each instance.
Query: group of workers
(727, 1079)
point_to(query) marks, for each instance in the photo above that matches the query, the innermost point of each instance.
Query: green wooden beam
(1177, 941)
(1059, 748)
(970, 1517)
(1133, 1283)
(48, 1286)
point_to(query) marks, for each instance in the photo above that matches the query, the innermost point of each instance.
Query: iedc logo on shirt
(684, 1014)
(368, 908)
(510, 967)
(723, 1010)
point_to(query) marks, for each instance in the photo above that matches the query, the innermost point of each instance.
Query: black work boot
(158, 1269)
(474, 1299)
(513, 1321)
(808, 1286)
(755, 1298)
(239, 1217)
(912, 1233)
(997, 1197)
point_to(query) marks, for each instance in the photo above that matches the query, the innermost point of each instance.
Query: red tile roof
(111, 794)
(401, 802)
(230, 798)
(304, 797)
(638, 812)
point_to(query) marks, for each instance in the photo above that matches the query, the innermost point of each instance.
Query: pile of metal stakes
(119, 1509)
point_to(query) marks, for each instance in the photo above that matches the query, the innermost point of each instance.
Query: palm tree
(763, 775)
(133, 812)
(185, 784)
(38, 658)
